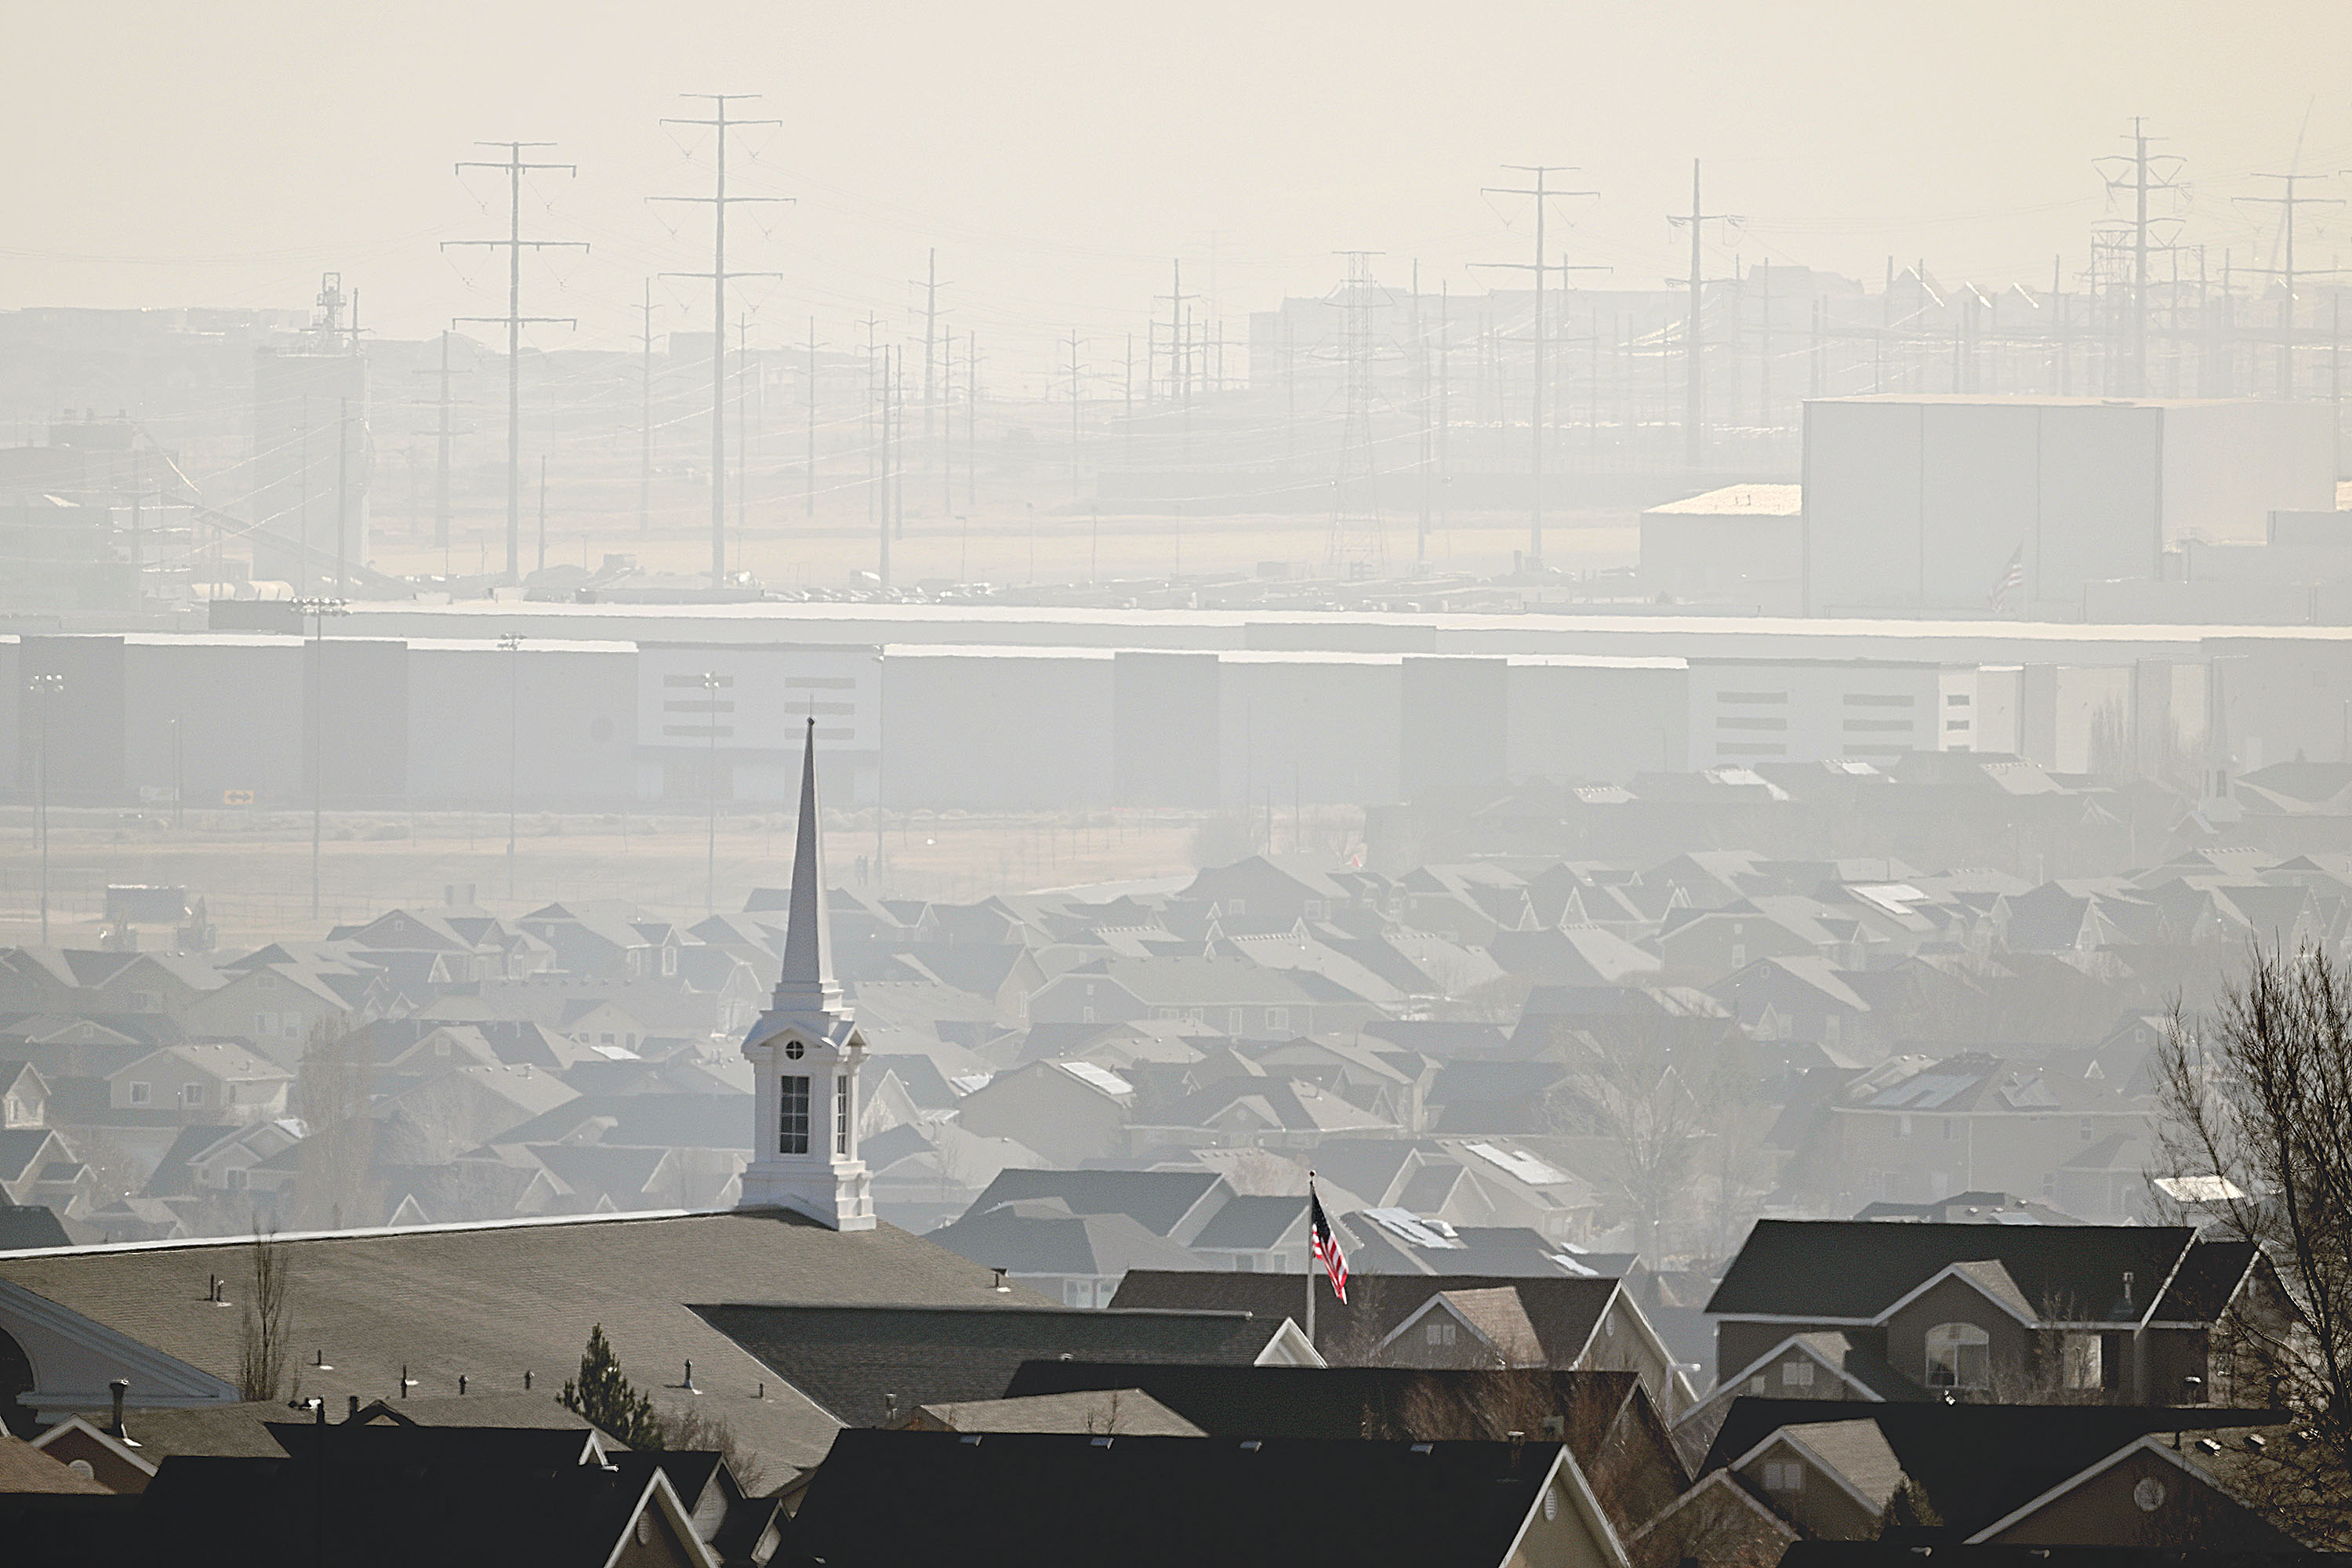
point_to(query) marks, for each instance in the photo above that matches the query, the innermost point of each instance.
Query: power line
(718, 202)
(515, 168)
(2286, 272)
(2142, 174)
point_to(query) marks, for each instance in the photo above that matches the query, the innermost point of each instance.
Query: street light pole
(46, 687)
(512, 643)
(710, 861)
(318, 610)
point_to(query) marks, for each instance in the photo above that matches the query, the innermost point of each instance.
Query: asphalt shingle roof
(1855, 1270)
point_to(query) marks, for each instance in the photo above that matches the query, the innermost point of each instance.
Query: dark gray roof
(1562, 1310)
(1828, 1269)
(25, 1225)
(848, 1359)
(1252, 1223)
(1025, 1497)
(1041, 1236)
(1157, 1200)
(494, 1301)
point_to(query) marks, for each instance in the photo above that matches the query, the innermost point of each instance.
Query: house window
(1085, 1015)
(137, 1094)
(1738, 955)
(1783, 1476)
(234, 1178)
(1232, 1020)
(1078, 1293)
(841, 1114)
(1959, 1355)
(1236, 905)
(1797, 1375)
(192, 1094)
(2082, 1363)
(1278, 1018)
(1951, 1129)
(792, 1123)
(669, 962)
(1903, 1127)
(2090, 1128)
(1440, 1333)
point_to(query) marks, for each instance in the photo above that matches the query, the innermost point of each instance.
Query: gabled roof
(1025, 1498)
(1977, 1462)
(1855, 1271)
(1159, 1200)
(1563, 1312)
(1041, 1237)
(849, 1359)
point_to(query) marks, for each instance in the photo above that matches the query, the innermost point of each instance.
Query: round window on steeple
(794, 1050)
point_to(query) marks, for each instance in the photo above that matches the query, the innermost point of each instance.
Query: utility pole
(646, 422)
(1694, 344)
(512, 643)
(971, 418)
(1072, 344)
(884, 568)
(1176, 298)
(515, 168)
(1542, 195)
(809, 479)
(2285, 271)
(718, 202)
(932, 286)
(318, 610)
(711, 683)
(343, 496)
(742, 435)
(1420, 407)
(45, 687)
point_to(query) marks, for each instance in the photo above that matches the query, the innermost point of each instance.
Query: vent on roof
(1101, 1443)
(1251, 1445)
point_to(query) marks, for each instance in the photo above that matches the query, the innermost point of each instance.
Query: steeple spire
(807, 982)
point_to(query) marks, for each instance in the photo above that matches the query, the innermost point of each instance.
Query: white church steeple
(805, 1053)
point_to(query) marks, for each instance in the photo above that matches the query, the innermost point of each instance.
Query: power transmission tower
(515, 168)
(1694, 334)
(2285, 271)
(930, 285)
(718, 202)
(444, 431)
(1358, 545)
(1542, 193)
(2142, 174)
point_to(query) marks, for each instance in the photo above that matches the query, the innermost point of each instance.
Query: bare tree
(1633, 1095)
(2257, 1136)
(690, 1428)
(262, 1341)
(335, 1185)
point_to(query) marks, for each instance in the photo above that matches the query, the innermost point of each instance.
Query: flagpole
(1311, 1263)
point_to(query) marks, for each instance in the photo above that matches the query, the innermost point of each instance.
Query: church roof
(493, 1301)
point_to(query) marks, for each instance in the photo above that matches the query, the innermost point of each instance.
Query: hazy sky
(1058, 154)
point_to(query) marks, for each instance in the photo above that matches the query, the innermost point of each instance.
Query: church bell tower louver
(805, 1053)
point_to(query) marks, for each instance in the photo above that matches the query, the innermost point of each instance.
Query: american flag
(1324, 1245)
(2013, 580)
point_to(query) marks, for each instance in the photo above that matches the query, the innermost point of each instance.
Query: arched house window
(1959, 1356)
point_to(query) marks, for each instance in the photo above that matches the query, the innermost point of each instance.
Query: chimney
(461, 1385)
(354, 1414)
(526, 1380)
(2127, 1286)
(119, 1387)
(1001, 1285)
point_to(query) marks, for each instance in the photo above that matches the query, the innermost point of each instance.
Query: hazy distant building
(2010, 507)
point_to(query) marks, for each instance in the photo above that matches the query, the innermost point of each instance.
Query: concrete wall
(239, 705)
(1316, 728)
(1455, 727)
(1598, 719)
(1164, 730)
(573, 722)
(997, 730)
(1743, 712)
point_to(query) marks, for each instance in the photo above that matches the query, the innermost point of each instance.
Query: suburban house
(1069, 1111)
(213, 1081)
(1857, 1309)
